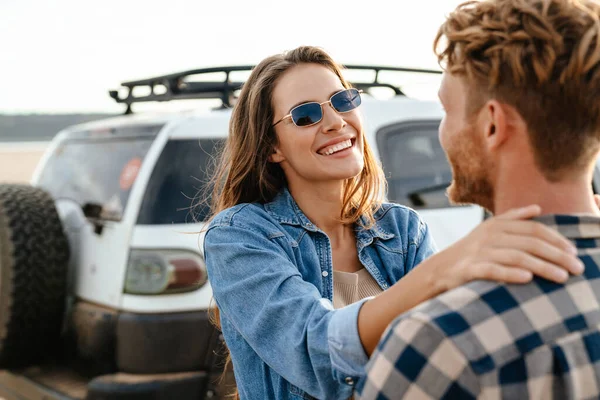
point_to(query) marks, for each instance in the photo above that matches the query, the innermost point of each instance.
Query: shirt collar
(583, 226)
(285, 210)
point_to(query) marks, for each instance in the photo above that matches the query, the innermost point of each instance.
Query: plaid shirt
(488, 340)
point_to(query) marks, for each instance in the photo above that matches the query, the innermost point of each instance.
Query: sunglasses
(311, 113)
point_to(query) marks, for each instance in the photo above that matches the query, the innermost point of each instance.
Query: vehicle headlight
(164, 271)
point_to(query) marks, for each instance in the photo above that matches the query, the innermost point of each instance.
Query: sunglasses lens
(346, 101)
(307, 114)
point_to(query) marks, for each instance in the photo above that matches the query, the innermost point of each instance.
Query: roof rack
(174, 86)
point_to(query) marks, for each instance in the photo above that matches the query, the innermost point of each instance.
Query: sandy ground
(18, 161)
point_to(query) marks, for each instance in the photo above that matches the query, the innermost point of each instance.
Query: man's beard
(471, 170)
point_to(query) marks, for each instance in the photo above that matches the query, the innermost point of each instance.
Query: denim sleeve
(348, 356)
(422, 246)
(282, 317)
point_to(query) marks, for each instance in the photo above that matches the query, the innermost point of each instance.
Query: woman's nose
(332, 120)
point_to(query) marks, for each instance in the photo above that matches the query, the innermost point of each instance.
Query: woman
(298, 216)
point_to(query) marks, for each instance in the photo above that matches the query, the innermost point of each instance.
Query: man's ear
(276, 156)
(495, 121)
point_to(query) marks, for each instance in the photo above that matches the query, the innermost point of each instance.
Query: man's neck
(571, 196)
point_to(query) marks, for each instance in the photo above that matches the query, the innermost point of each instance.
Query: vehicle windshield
(98, 171)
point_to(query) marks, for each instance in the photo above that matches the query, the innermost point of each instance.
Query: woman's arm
(506, 248)
(282, 317)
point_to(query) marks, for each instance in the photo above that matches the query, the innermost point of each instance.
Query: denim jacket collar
(285, 210)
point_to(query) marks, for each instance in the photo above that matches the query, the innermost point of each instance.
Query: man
(522, 96)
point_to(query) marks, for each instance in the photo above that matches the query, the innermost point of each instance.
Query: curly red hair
(543, 58)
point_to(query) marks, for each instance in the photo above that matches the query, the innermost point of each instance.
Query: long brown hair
(245, 174)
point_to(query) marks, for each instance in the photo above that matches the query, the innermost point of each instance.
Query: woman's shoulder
(245, 215)
(399, 219)
(395, 211)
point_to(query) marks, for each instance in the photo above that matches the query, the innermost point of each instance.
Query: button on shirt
(487, 340)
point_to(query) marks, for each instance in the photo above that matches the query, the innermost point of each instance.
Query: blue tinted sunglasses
(311, 113)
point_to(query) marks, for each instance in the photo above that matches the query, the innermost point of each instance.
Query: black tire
(34, 254)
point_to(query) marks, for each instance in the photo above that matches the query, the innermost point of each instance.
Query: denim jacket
(272, 276)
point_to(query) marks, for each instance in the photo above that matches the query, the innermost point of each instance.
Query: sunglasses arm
(287, 116)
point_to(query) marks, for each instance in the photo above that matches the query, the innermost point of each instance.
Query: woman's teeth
(336, 147)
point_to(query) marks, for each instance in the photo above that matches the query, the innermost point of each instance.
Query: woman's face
(305, 153)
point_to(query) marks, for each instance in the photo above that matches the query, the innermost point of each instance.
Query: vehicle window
(180, 175)
(98, 171)
(415, 164)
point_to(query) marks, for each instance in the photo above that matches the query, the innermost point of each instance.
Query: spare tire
(34, 255)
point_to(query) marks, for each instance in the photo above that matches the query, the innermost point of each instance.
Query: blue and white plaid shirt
(487, 340)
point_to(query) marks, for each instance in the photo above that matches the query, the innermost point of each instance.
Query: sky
(64, 55)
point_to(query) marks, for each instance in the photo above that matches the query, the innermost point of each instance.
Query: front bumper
(182, 386)
(112, 355)
(144, 343)
(51, 383)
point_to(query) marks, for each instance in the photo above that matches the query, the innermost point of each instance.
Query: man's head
(522, 82)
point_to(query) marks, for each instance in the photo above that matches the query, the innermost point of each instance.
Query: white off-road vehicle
(103, 287)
